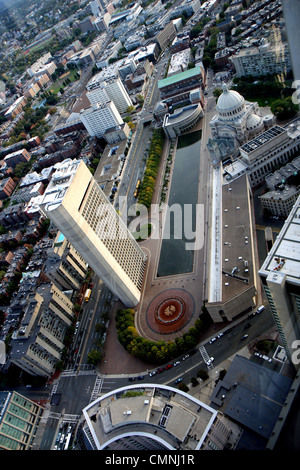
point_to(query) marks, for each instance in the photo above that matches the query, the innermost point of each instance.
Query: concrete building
(166, 36)
(158, 418)
(179, 62)
(19, 421)
(182, 120)
(109, 89)
(177, 88)
(37, 345)
(16, 108)
(272, 148)
(279, 275)
(99, 118)
(80, 210)
(39, 63)
(280, 202)
(252, 395)
(262, 60)
(65, 267)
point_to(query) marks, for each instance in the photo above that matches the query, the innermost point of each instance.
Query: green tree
(94, 357)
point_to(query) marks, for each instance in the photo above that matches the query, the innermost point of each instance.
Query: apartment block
(262, 60)
(109, 89)
(37, 345)
(19, 420)
(99, 118)
(64, 266)
(19, 156)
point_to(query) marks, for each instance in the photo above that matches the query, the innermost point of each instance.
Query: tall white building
(80, 210)
(100, 117)
(112, 88)
(280, 277)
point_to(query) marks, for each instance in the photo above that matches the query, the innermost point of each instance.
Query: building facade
(80, 210)
(110, 89)
(262, 60)
(99, 118)
(279, 275)
(37, 345)
(19, 420)
(65, 267)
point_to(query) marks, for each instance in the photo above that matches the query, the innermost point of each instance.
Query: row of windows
(106, 223)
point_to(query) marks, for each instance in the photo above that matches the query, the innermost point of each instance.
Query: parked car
(178, 380)
(212, 340)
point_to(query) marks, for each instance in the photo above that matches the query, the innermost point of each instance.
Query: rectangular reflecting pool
(174, 257)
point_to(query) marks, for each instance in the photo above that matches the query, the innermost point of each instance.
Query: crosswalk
(206, 357)
(97, 388)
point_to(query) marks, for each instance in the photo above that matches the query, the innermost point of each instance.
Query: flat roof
(252, 395)
(231, 242)
(262, 139)
(284, 256)
(179, 77)
(165, 413)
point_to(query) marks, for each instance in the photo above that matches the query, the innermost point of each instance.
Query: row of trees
(156, 352)
(155, 153)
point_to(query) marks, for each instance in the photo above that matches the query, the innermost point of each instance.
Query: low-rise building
(7, 187)
(279, 202)
(37, 345)
(19, 156)
(157, 417)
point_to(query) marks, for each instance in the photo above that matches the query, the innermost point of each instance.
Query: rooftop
(171, 417)
(252, 395)
(178, 77)
(262, 139)
(284, 257)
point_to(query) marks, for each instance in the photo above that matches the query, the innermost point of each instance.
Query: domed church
(236, 118)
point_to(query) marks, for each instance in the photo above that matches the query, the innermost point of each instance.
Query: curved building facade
(153, 417)
(182, 121)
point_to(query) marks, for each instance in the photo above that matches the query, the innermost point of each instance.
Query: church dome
(230, 101)
(253, 121)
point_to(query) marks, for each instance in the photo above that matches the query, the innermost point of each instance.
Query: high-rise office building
(78, 207)
(281, 281)
(99, 118)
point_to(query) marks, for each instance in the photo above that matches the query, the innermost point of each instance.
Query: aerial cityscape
(150, 227)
